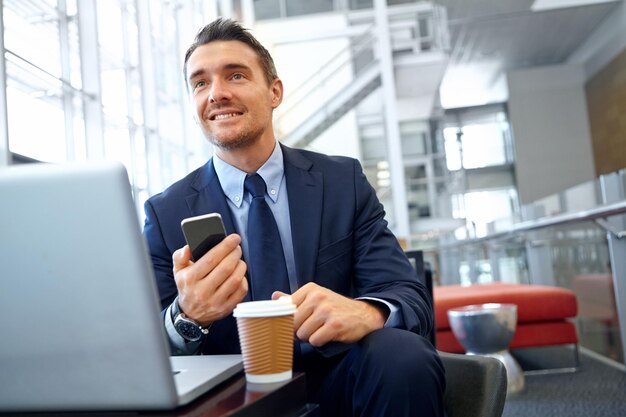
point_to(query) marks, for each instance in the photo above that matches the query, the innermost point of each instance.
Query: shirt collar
(231, 178)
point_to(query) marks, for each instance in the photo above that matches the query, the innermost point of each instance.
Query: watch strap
(176, 311)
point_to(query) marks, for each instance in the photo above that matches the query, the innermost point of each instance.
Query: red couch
(543, 312)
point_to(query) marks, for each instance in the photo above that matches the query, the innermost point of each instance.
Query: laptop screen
(79, 312)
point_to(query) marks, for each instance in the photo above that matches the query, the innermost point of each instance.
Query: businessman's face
(233, 100)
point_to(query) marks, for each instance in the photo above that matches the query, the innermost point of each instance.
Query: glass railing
(575, 239)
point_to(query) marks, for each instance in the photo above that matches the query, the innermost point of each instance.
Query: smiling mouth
(225, 116)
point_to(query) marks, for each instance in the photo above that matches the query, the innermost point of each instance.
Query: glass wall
(44, 96)
(101, 80)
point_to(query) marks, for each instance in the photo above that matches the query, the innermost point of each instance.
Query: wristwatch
(189, 329)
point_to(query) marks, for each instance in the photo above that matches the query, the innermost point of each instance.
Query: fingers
(301, 294)
(239, 292)
(214, 257)
(222, 271)
(221, 303)
(200, 269)
(324, 334)
(231, 282)
(323, 316)
(210, 288)
(314, 324)
(205, 303)
(312, 310)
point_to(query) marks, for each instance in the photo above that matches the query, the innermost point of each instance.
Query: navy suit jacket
(340, 238)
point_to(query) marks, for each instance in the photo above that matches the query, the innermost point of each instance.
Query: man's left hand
(324, 316)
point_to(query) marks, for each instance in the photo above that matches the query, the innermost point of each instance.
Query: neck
(248, 159)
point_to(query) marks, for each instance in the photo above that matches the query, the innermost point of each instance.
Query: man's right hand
(209, 289)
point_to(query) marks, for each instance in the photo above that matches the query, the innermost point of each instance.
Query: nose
(219, 91)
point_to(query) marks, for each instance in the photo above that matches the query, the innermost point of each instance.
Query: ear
(276, 89)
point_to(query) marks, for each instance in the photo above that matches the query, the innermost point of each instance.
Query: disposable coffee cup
(266, 338)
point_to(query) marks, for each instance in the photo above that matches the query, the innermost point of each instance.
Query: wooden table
(232, 398)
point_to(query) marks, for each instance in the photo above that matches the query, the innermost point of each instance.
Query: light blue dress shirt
(273, 173)
(231, 180)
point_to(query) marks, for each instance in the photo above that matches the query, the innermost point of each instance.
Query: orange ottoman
(543, 312)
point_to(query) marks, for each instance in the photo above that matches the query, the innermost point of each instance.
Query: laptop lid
(79, 311)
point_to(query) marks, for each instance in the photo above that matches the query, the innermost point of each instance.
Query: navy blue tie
(266, 261)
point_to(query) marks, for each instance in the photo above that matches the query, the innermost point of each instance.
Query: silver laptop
(80, 327)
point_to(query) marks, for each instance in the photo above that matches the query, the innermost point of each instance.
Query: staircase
(337, 106)
(308, 112)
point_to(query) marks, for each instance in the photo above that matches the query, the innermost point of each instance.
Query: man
(361, 313)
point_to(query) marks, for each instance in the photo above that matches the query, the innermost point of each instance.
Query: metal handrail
(313, 81)
(368, 39)
(18, 58)
(367, 31)
(595, 213)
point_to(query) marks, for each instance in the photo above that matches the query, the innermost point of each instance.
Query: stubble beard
(241, 140)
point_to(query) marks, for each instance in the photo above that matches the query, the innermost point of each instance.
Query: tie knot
(255, 185)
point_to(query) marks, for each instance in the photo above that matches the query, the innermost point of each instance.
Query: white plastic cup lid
(270, 308)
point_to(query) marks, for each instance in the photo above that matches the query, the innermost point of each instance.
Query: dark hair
(229, 30)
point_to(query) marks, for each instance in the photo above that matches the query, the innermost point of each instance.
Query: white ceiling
(490, 37)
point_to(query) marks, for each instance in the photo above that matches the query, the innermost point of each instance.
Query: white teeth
(225, 116)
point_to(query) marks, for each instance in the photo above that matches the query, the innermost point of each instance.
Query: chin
(231, 143)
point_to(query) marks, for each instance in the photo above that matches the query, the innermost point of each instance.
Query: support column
(182, 18)
(450, 262)
(226, 9)
(613, 191)
(66, 76)
(539, 255)
(432, 187)
(394, 144)
(472, 255)
(148, 97)
(247, 13)
(5, 154)
(539, 252)
(90, 74)
(495, 251)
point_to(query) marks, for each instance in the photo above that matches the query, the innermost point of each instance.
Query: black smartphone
(202, 233)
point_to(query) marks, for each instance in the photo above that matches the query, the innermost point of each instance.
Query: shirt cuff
(395, 318)
(179, 346)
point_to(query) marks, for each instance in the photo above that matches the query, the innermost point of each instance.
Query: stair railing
(412, 31)
(332, 76)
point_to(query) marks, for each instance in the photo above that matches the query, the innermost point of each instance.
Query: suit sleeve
(381, 269)
(161, 257)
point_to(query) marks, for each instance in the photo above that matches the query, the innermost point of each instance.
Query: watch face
(188, 330)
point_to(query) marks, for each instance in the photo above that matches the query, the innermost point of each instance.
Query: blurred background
(494, 131)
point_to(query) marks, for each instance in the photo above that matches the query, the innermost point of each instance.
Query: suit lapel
(305, 189)
(208, 196)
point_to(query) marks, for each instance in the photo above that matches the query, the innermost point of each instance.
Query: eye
(199, 84)
(238, 76)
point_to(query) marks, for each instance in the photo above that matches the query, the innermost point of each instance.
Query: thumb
(181, 258)
(277, 294)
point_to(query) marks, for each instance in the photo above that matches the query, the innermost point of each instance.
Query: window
(92, 80)
(43, 81)
(483, 145)
(481, 207)
(476, 145)
(477, 138)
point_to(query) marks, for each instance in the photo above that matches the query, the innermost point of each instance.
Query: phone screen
(202, 233)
